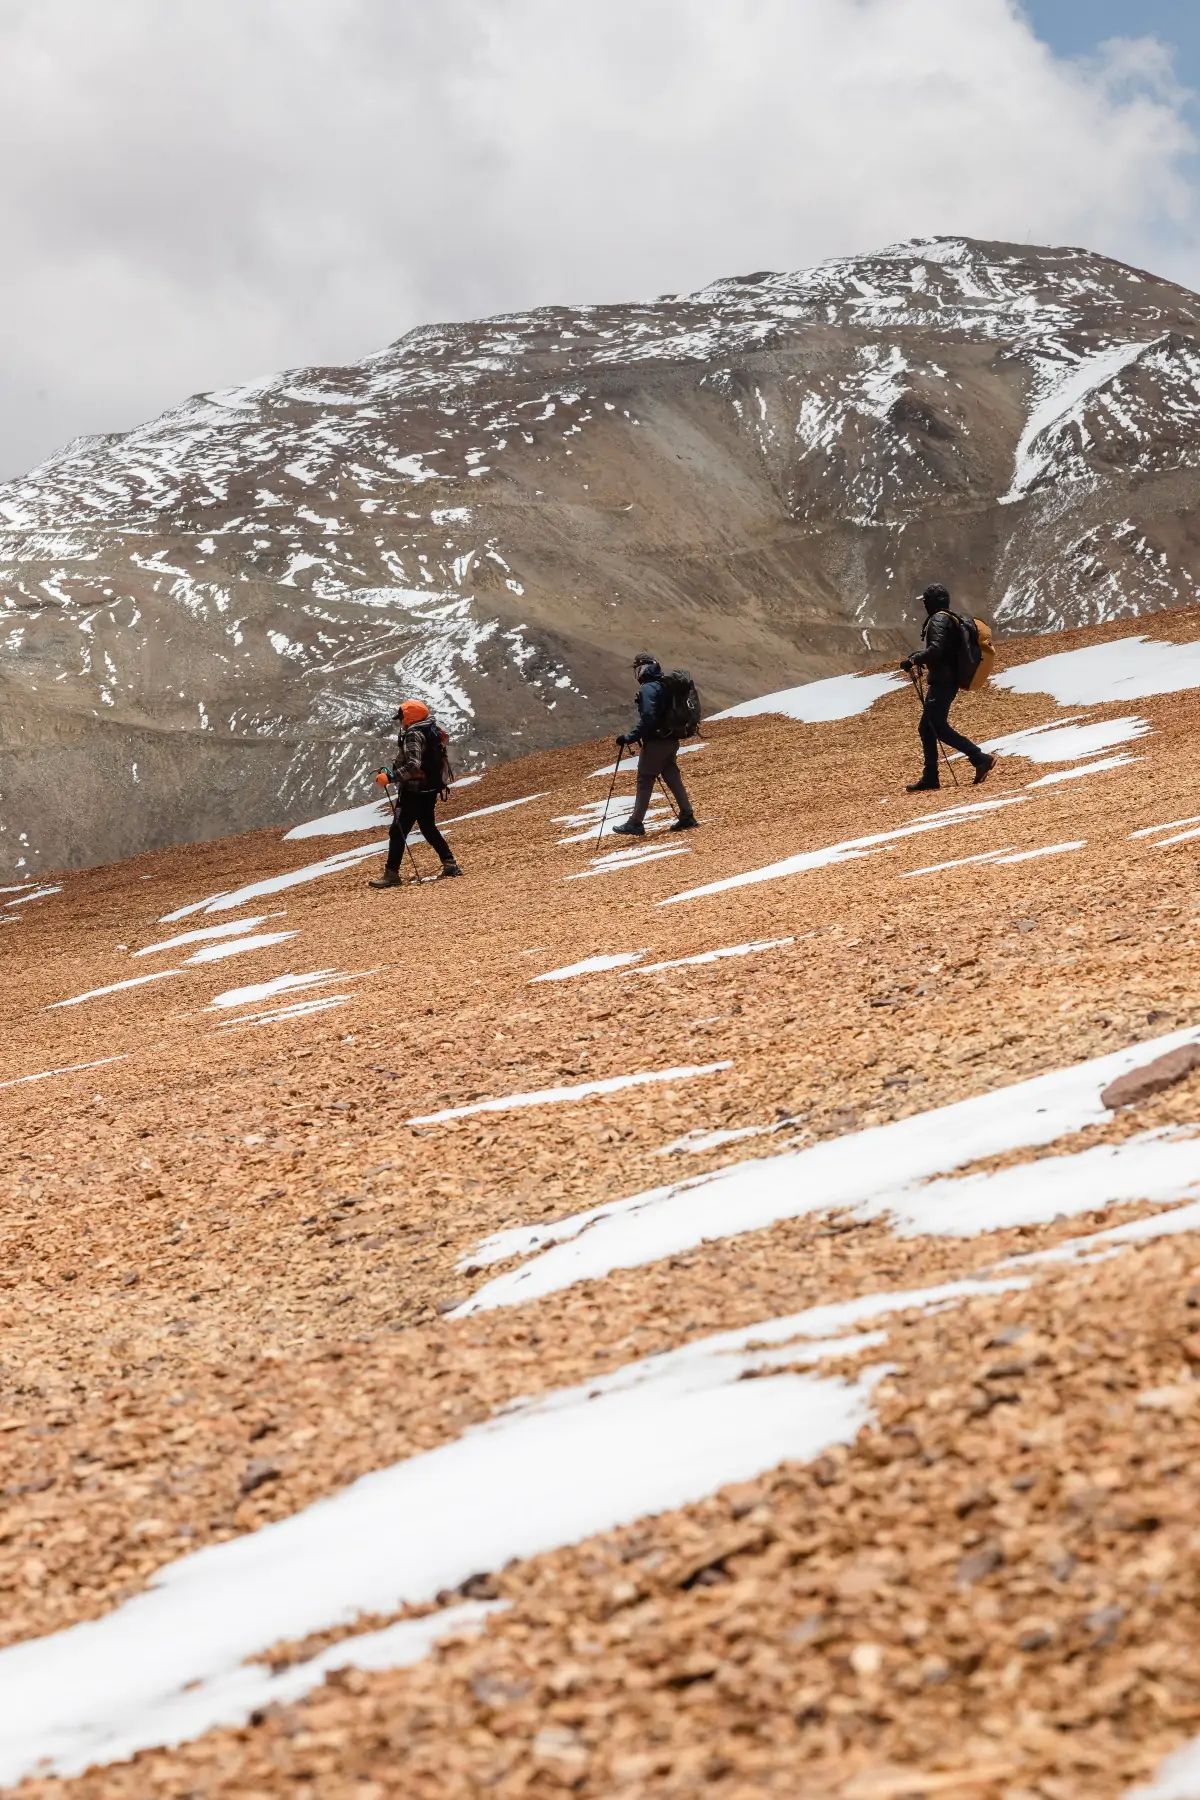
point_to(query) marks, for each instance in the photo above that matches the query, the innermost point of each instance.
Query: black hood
(647, 668)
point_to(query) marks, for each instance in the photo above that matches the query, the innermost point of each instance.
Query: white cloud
(202, 191)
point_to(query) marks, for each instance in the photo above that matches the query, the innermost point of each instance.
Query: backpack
(436, 772)
(976, 655)
(681, 712)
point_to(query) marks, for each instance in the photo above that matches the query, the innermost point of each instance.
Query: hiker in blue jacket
(659, 752)
(940, 659)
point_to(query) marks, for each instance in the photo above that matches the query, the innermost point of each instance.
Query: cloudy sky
(200, 191)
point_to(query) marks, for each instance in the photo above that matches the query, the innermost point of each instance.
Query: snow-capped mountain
(209, 619)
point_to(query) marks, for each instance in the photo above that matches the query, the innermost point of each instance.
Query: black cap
(936, 597)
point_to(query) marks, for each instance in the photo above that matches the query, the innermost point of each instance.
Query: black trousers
(658, 757)
(935, 725)
(415, 808)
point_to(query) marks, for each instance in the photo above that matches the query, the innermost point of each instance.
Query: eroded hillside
(772, 1357)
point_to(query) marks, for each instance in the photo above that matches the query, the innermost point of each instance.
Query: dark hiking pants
(415, 809)
(935, 725)
(659, 758)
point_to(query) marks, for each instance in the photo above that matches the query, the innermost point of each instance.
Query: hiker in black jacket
(940, 660)
(659, 752)
(421, 775)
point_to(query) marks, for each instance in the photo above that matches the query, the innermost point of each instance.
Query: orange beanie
(412, 712)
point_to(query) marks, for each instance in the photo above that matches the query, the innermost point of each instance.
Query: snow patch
(625, 859)
(1095, 768)
(238, 946)
(556, 1096)
(848, 851)
(1133, 668)
(276, 884)
(1067, 743)
(593, 965)
(202, 932)
(650, 1437)
(351, 818)
(1063, 404)
(113, 988)
(711, 956)
(280, 984)
(71, 1069)
(819, 702)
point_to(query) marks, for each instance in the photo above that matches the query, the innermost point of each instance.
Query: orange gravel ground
(227, 1258)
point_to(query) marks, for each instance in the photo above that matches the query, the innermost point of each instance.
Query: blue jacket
(652, 708)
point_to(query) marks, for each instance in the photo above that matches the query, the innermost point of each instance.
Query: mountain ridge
(206, 622)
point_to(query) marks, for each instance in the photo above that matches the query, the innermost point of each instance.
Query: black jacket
(940, 655)
(652, 712)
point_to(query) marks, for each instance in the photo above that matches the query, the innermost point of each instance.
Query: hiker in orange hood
(423, 775)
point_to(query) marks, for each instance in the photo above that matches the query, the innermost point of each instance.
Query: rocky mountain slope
(208, 619)
(697, 1317)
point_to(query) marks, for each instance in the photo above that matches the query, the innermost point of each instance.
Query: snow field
(653, 1435)
(998, 858)
(598, 819)
(352, 818)
(900, 1171)
(1066, 388)
(37, 893)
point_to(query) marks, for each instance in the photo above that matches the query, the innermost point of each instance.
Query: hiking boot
(682, 823)
(983, 769)
(629, 829)
(448, 869)
(924, 786)
(389, 878)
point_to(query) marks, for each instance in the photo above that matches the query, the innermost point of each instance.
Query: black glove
(624, 741)
(907, 665)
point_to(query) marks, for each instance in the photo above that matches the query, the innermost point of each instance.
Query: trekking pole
(382, 781)
(666, 793)
(612, 784)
